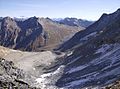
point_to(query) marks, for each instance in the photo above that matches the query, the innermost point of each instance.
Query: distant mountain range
(34, 33)
(74, 22)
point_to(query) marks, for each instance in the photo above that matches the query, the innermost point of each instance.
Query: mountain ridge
(97, 26)
(94, 59)
(74, 22)
(32, 34)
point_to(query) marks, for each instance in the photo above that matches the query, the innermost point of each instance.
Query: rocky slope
(94, 55)
(33, 34)
(57, 33)
(106, 21)
(37, 69)
(31, 62)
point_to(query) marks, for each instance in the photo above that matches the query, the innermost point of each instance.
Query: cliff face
(9, 32)
(33, 34)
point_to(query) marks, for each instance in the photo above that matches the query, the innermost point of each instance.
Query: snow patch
(48, 80)
(70, 53)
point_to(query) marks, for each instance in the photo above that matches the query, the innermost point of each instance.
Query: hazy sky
(85, 9)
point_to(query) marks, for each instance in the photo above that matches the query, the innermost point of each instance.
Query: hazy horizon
(83, 9)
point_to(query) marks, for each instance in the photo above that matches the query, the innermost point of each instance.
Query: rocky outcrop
(115, 85)
(11, 77)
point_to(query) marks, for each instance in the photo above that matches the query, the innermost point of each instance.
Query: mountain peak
(32, 18)
(118, 10)
(104, 15)
(8, 18)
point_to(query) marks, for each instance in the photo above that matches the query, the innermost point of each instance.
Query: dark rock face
(75, 22)
(11, 77)
(21, 35)
(8, 32)
(95, 60)
(28, 38)
(33, 33)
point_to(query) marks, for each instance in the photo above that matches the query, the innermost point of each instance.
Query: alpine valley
(69, 53)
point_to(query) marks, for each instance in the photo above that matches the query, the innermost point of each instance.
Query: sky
(84, 9)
